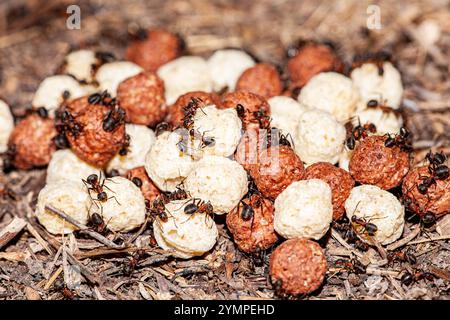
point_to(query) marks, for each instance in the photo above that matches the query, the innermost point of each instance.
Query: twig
(39, 239)
(339, 239)
(400, 243)
(53, 278)
(430, 240)
(97, 236)
(89, 275)
(11, 230)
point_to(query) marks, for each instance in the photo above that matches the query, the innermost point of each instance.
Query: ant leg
(114, 197)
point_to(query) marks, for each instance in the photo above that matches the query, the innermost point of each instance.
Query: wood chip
(443, 226)
(11, 231)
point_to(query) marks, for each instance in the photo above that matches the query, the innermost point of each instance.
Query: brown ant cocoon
(339, 180)
(297, 267)
(424, 192)
(380, 209)
(319, 137)
(372, 162)
(262, 79)
(6, 125)
(170, 159)
(226, 66)
(304, 209)
(331, 92)
(67, 196)
(54, 90)
(153, 48)
(142, 97)
(178, 110)
(95, 133)
(140, 141)
(251, 224)
(219, 180)
(31, 142)
(373, 85)
(251, 108)
(81, 64)
(277, 167)
(188, 234)
(183, 75)
(140, 178)
(311, 59)
(124, 207)
(285, 113)
(217, 131)
(111, 74)
(65, 165)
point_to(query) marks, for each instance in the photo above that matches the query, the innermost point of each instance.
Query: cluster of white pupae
(315, 122)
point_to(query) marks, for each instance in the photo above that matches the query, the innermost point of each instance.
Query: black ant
(350, 234)
(357, 133)
(367, 226)
(133, 262)
(125, 146)
(401, 140)
(66, 123)
(157, 209)
(96, 184)
(102, 98)
(97, 222)
(408, 278)
(105, 56)
(352, 265)
(42, 112)
(199, 206)
(114, 118)
(161, 127)
(137, 182)
(371, 104)
(401, 256)
(68, 294)
(66, 95)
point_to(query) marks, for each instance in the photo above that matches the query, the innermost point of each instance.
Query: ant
(437, 170)
(262, 118)
(401, 140)
(372, 104)
(68, 294)
(161, 127)
(350, 234)
(66, 124)
(401, 256)
(408, 278)
(284, 140)
(189, 112)
(352, 265)
(133, 262)
(105, 56)
(199, 207)
(358, 132)
(97, 222)
(157, 209)
(102, 98)
(205, 141)
(93, 183)
(367, 226)
(125, 146)
(114, 118)
(178, 194)
(42, 112)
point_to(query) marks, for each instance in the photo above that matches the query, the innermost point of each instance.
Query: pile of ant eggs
(155, 139)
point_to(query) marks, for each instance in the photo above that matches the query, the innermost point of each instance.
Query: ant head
(428, 219)
(137, 182)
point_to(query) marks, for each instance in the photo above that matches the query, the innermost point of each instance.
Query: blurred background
(35, 36)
